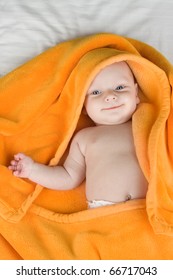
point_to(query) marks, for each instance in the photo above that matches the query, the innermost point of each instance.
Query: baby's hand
(21, 165)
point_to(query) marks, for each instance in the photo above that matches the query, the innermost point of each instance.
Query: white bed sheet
(27, 28)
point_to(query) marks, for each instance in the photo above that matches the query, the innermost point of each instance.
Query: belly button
(128, 197)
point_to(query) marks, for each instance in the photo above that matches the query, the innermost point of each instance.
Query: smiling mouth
(112, 108)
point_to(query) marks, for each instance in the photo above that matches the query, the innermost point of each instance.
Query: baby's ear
(137, 97)
(136, 87)
(84, 110)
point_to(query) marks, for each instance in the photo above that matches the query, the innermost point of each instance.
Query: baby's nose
(110, 97)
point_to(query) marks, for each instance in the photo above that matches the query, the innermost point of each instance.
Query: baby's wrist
(33, 169)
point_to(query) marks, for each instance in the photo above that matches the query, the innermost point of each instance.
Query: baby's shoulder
(83, 135)
(81, 139)
(85, 132)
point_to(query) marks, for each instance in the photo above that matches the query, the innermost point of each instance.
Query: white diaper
(99, 203)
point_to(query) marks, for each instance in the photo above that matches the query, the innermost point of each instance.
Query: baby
(103, 154)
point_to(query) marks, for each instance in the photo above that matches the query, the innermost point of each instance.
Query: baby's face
(112, 96)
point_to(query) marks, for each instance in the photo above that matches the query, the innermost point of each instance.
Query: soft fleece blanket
(40, 110)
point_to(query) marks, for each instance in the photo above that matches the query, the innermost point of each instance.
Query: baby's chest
(111, 144)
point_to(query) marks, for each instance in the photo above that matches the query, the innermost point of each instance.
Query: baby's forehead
(116, 71)
(117, 67)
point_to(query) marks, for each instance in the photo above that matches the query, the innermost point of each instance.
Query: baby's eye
(96, 92)
(119, 87)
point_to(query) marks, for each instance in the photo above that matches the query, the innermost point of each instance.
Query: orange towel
(41, 109)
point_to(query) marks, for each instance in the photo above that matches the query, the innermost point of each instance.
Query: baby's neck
(128, 122)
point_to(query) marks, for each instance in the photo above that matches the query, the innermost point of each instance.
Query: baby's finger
(13, 162)
(19, 156)
(11, 167)
(18, 167)
(16, 173)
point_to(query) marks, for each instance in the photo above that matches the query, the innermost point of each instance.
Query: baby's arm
(65, 177)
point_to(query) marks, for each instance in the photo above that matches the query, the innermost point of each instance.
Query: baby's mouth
(112, 108)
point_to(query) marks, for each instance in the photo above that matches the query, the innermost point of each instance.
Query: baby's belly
(116, 182)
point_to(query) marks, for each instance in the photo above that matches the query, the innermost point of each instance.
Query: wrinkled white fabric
(99, 203)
